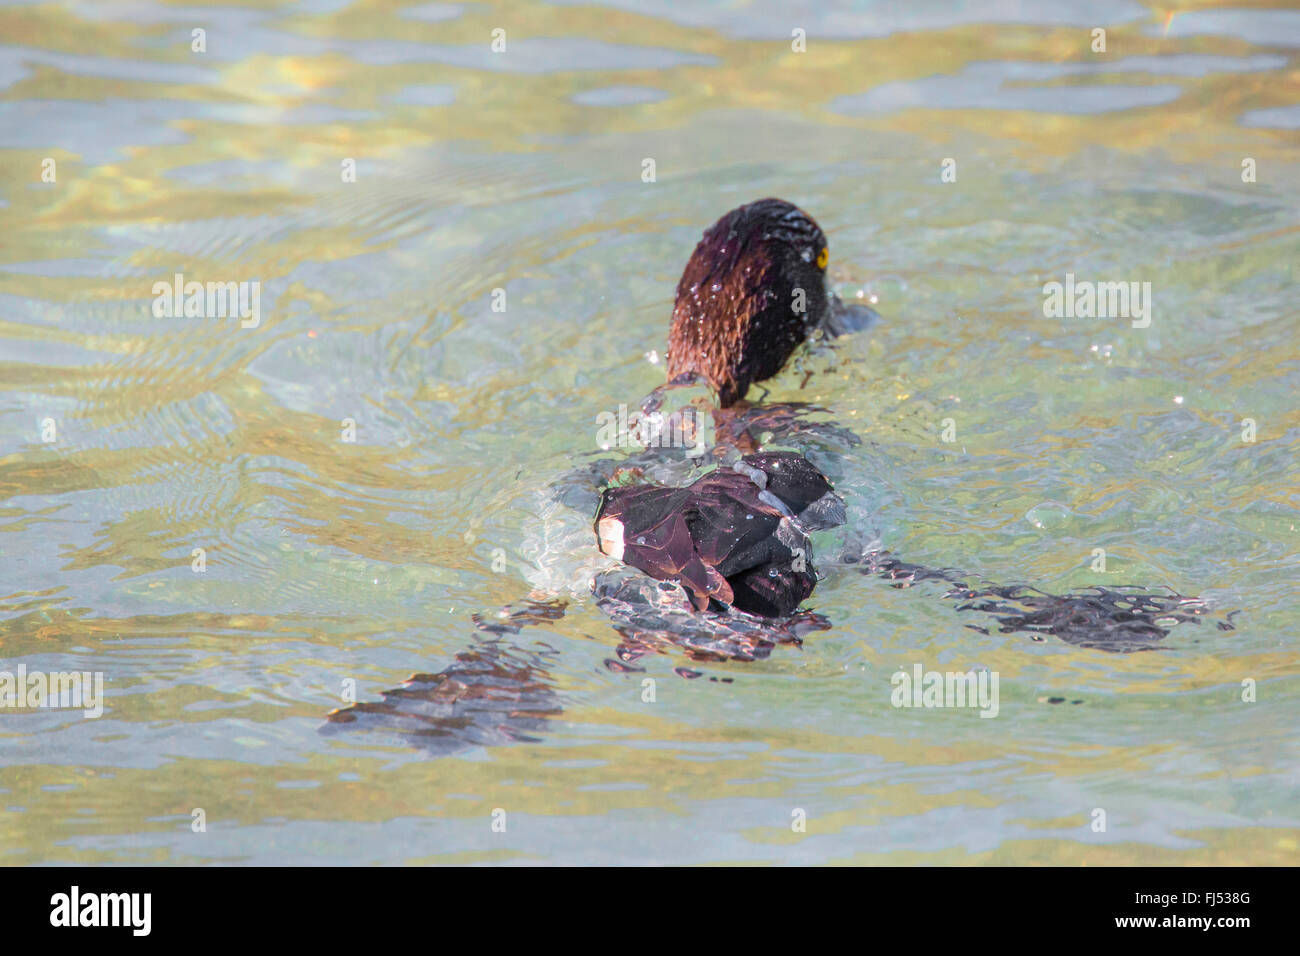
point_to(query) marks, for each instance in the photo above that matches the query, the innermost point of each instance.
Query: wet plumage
(737, 536)
(752, 292)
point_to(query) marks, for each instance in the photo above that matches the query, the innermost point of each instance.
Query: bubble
(1048, 516)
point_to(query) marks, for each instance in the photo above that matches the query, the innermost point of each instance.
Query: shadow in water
(1120, 619)
(657, 617)
(494, 693)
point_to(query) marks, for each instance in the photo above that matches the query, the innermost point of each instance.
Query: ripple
(620, 96)
(1265, 27)
(426, 94)
(434, 12)
(772, 19)
(89, 131)
(1278, 117)
(529, 55)
(15, 63)
(985, 86)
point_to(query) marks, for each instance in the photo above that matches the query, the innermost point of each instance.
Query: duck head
(753, 291)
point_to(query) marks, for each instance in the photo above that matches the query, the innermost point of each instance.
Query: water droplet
(1048, 516)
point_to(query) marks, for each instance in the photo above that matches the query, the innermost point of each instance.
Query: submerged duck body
(737, 536)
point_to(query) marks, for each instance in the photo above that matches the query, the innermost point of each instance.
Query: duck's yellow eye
(823, 257)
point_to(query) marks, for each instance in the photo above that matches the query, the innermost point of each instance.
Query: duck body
(737, 536)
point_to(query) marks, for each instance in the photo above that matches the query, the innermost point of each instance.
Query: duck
(753, 291)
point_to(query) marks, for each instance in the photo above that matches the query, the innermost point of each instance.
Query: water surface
(333, 564)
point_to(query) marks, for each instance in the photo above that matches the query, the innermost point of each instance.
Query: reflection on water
(245, 529)
(1004, 85)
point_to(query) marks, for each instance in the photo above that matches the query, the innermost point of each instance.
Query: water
(333, 563)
